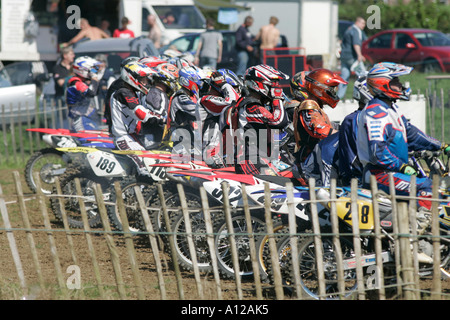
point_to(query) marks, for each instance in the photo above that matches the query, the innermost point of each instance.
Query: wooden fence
(42, 259)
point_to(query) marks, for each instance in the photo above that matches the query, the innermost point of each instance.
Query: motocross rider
(157, 100)
(184, 122)
(311, 123)
(128, 113)
(81, 89)
(259, 110)
(385, 136)
(224, 90)
(349, 164)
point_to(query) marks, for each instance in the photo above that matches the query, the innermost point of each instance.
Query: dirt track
(10, 281)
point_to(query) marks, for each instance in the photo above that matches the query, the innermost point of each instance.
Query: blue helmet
(231, 78)
(191, 80)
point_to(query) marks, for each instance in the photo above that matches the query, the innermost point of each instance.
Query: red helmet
(323, 84)
(381, 76)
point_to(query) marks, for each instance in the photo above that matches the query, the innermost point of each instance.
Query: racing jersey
(385, 136)
(213, 137)
(349, 164)
(79, 97)
(254, 128)
(128, 112)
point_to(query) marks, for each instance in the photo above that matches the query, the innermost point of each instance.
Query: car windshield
(187, 43)
(180, 17)
(432, 39)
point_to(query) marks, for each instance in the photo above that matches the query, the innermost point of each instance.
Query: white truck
(31, 30)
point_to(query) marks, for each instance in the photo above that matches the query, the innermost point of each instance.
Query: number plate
(105, 164)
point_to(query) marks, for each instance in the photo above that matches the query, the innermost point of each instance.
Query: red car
(428, 50)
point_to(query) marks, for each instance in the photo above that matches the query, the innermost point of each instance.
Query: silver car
(20, 82)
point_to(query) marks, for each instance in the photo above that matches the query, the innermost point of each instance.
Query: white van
(174, 17)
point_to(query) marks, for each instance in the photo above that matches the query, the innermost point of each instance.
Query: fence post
(51, 239)
(294, 239)
(356, 238)
(272, 243)
(153, 241)
(12, 241)
(87, 230)
(13, 133)
(405, 251)
(317, 238)
(253, 253)
(193, 253)
(395, 228)
(413, 223)
(437, 286)
(336, 239)
(64, 217)
(128, 241)
(110, 241)
(176, 267)
(231, 236)
(210, 240)
(27, 226)
(5, 140)
(378, 247)
(20, 133)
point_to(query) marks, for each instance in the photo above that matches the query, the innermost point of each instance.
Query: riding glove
(407, 169)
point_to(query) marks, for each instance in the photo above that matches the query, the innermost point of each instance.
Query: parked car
(426, 49)
(19, 84)
(189, 43)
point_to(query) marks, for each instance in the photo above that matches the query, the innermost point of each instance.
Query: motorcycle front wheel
(309, 279)
(48, 163)
(70, 198)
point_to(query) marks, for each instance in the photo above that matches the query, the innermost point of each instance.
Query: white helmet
(84, 66)
(137, 75)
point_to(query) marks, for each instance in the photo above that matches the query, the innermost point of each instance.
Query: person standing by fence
(352, 41)
(209, 51)
(61, 71)
(244, 45)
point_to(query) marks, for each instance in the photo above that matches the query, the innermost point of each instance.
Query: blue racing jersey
(385, 136)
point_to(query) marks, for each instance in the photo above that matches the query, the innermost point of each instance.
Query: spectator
(104, 25)
(209, 51)
(87, 32)
(124, 32)
(154, 32)
(61, 71)
(244, 45)
(351, 51)
(269, 35)
(169, 19)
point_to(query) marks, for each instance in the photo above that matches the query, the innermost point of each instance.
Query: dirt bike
(50, 162)
(307, 254)
(211, 180)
